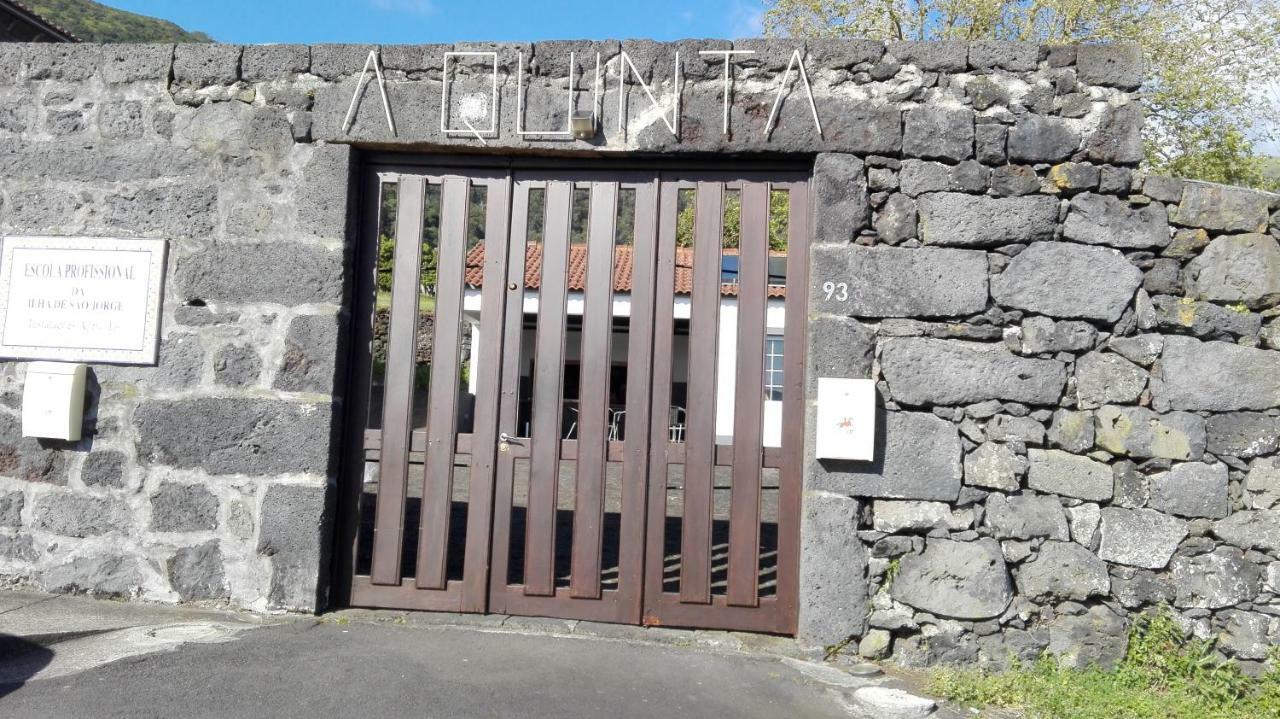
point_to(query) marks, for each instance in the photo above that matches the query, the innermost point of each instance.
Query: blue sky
(424, 21)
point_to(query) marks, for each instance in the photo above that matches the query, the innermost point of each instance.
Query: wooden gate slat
(659, 421)
(748, 407)
(509, 396)
(635, 468)
(793, 407)
(398, 393)
(487, 368)
(593, 394)
(695, 539)
(544, 469)
(437, 476)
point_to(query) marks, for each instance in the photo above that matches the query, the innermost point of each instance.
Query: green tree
(779, 215)
(1209, 62)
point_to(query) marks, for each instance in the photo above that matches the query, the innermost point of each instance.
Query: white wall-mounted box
(846, 418)
(53, 400)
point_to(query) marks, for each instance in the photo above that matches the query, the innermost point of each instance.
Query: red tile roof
(622, 270)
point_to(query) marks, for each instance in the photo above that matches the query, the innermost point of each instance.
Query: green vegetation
(1209, 63)
(92, 22)
(1164, 675)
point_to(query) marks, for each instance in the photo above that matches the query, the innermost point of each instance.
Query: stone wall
(1079, 368)
(1077, 363)
(205, 477)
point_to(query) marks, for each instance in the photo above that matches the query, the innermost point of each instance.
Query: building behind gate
(1077, 366)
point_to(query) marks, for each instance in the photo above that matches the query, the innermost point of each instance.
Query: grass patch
(1163, 676)
(426, 303)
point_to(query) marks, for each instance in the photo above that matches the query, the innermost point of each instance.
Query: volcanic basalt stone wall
(1078, 364)
(1079, 369)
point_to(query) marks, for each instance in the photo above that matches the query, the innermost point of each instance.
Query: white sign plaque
(80, 299)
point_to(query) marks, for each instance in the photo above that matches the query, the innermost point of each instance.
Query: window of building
(773, 368)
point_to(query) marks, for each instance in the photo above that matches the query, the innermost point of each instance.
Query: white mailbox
(53, 400)
(846, 418)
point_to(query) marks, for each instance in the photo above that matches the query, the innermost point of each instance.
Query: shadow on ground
(19, 661)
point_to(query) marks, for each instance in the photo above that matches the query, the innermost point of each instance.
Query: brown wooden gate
(578, 394)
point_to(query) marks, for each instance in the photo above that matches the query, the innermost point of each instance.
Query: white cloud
(413, 7)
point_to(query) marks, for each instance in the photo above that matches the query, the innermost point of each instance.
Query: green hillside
(93, 22)
(1271, 169)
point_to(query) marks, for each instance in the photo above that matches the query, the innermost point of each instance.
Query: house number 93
(838, 291)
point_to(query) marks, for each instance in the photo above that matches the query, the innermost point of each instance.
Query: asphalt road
(313, 670)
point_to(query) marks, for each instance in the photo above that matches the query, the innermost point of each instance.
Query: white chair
(616, 420)
(676, 422)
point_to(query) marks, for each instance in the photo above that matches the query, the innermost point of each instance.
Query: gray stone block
(180, 366)
(1041, 334)
(332, 61)
(840, 191)
(840, 347)
(833, 570)
(234, 436)
(1057, 472)
(78, 515)
(1071, 431)
(1139, 432)
(1237, 268)
(170, 211)
(917, 457)
(1062, 279)
(1223, 208)
(940, 133)
(1221, 578)
(201, 65)
(273, 62)
(1013, 56)
(989, 144)
(1102, 378)
(1192, 489)
(1063, 571)
(310, 351)
(1256, 529)
(237, 366)
(104, 469)
(947, 55)
(195, 573)
(1141, 538)
(11, 509)
(1097, 637)
(1164, 189)
(1026, 516)
(1014, 181)
(899, 516)
(183, 508)
(1245, 634)
(1217, 376)
(1036, 138)
(1138, 588)
(18, 548)
(895, 282)
(897, 219)
(120, 120)
(1106, 220)
(225, 273)
(994, 466)
(866, 128)
(112, 575)
(950, 372)
(1262, 483)
(949, 218)
(324, 196)
(961, 580)
(57, 61)
(292, 532)
(1140, 349)
(1072, 177)
(115, 162)
(1006, 428)
(133, 62)
(1118, 138)
(1112, 65)
(1242, 434)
